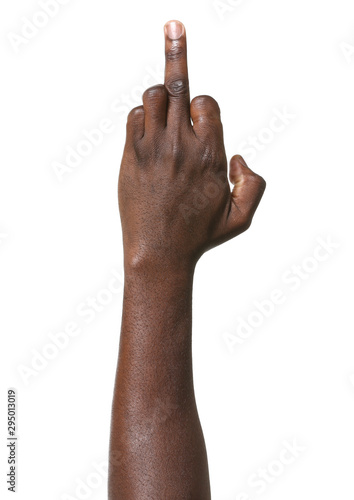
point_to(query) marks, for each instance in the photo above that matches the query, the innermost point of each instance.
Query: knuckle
(205, 101)
(257, 181)
(153, 92)
(175, 53)
(212, 156)
(177, 86)
(208, 156)
(246, 224)
(260, 182)
(134, 113)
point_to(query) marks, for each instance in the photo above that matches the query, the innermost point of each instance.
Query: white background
(61, 239)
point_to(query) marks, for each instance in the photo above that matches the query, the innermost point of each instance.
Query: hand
(174, 197)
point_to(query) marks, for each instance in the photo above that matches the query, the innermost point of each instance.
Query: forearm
(155, 426)
(172, 211)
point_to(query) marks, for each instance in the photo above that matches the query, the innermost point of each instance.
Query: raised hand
(175, 203)
(175, 200)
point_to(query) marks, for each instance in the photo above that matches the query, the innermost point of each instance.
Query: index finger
(176, 74)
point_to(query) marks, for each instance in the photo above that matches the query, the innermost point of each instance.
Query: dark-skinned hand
(174, 198)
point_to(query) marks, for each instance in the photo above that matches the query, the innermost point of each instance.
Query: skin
(175, 204)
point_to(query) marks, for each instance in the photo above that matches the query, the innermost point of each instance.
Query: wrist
(152, 268)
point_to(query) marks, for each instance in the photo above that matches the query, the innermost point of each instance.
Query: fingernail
(174, 30)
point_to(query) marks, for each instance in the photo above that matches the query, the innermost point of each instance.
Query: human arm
(175, 204)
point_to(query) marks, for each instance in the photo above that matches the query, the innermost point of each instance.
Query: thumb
(245, 196)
